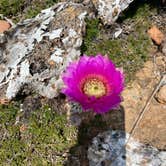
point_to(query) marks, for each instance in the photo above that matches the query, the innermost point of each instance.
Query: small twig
(140, 116)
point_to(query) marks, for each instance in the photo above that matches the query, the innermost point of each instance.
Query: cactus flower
(94, 82)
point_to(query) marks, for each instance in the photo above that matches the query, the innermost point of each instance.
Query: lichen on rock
(111, 148)
(38, 50)
(108, 10)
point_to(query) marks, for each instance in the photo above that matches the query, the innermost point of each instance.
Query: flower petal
(101, 68)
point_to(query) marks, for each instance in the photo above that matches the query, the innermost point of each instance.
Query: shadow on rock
(98, 142)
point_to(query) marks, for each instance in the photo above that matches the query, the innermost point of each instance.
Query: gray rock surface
(36, 51)
(109, 10)
(111, 148)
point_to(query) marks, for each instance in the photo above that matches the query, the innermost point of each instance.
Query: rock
(4, 26)
(135, 97)
(160, 62)
(156, 35)
(55, 35)
(36, 51)
(163, 46)
(110, 149)
(108, 10)
(161, 95)
(164, 49)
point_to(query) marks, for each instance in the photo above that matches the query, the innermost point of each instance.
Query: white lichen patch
(33, 43)
(109, 10)
(16, 81)
(53, 36)
(111, 148)
(57, 56)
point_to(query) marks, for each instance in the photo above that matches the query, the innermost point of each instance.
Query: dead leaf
(156, 35)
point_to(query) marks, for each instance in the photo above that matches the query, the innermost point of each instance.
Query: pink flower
(94, 82)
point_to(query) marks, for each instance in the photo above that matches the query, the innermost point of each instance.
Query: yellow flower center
(94, 87)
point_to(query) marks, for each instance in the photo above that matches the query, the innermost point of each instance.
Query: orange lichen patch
(52, 63)
(4, 26)
(4, 101)
(70, 10)
(156, 35)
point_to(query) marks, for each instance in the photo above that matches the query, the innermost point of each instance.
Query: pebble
(4, 26)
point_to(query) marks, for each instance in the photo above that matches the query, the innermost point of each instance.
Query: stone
(4, 26)
(160, 62)
(161, 95)
(108, 11)
(164, 49)
(163, 46)
(35, 52)
(112, 148)
(156, 35)
(34, 44)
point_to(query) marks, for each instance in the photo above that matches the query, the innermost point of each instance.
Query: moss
(129, 52)
(42, 142)
(11, 7)
(22, 9)
(92, 32)
(138, 10)
(35, 7)
(7, 113)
